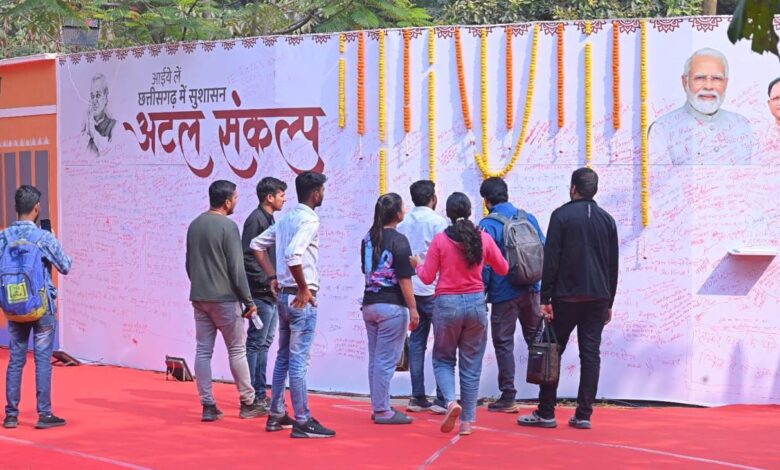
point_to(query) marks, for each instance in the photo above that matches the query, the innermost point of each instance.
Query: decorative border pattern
(629, 26)
(666, 25)
(708, 23)
(595, 26)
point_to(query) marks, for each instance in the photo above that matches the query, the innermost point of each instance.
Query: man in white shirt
(420, 226)
(701, 132)
(296, 241)
(770, 135)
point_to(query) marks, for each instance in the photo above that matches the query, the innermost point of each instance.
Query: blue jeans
(258, 342)
(296, 335)
(460, 325)
(418, 343)
(19, 334)
(386, 326)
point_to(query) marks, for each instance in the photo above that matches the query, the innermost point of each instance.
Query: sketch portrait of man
(98, 125)
(701, 132)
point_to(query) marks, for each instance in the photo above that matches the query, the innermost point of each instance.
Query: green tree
(753, 20)
(31, 26)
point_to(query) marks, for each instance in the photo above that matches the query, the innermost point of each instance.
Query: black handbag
(544, 358)
(403, 362)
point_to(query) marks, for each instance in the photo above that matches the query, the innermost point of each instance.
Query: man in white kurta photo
(701, 132)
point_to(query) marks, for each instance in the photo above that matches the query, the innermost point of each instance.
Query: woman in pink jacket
(460, 318)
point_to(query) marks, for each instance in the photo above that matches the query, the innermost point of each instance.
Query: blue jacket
(498, 287)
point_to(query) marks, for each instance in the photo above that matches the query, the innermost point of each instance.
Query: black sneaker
(210, 413)
(51, 421)
(10, 422)
(277, 423)
(417, 405)
(255, 410)
(504, 404)
(312, 428)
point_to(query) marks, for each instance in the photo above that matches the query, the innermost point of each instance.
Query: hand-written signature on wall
(251, 124)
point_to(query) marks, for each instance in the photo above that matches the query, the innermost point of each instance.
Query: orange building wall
(28, 143)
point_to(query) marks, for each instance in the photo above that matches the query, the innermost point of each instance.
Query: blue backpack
(23, 295)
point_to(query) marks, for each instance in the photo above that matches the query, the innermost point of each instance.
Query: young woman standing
(460, 316)
(388, 302)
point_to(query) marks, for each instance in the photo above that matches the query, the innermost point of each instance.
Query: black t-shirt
(382, 280)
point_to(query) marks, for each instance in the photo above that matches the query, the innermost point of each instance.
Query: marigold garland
(382, 171)
(483, 89)
(407, 98)
(342, 80)
(643, 124)
(559, 50)
(431, 45)
(616, 75)
(382, 91)
(431, 111)
(464, 100)
(361, 85)
(588, 97)
(509, 81)
(482, 162)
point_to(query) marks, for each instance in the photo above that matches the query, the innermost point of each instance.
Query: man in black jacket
(579, 281)
(271, 194)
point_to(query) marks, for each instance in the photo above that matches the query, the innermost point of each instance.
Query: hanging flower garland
(643, 124)
(382, 171)
(588, 97)
(509, 80)
(407, 91)
(431, 109)
(382, 94)
(559, 50)
(483, 88)
(464, 100)
(361, 85)
(616, 75)
(482, 162)
(342, 79)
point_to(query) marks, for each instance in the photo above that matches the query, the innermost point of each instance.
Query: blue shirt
(50, 246)
(498, 287)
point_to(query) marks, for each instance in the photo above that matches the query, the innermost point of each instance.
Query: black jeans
(588, 318)
(503, 321)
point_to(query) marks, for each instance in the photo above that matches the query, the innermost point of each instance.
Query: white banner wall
(691, 323)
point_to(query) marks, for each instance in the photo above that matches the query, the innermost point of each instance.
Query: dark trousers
(418, 342)
(588, 318)
(503, 321)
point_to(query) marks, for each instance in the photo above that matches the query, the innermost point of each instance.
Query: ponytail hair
(385, 211)
(459, 211)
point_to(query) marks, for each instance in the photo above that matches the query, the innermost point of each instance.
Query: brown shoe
(453, 412)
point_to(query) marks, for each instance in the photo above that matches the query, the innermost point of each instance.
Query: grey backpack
(523, 249)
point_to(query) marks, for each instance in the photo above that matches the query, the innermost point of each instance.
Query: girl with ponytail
(388, 302)
(460, 316)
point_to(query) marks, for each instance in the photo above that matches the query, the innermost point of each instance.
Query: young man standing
(271, 195)
(296, 241)
(510, 303)
(579, 283)
(218, 288)
(420, 226)
(28, 208)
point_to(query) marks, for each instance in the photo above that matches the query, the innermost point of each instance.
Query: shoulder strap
(521, 214)
(498, 217)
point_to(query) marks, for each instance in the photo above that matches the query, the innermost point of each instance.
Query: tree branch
(298, 24)
(192, 7)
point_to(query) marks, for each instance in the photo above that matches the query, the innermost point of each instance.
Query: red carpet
(134, 419)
